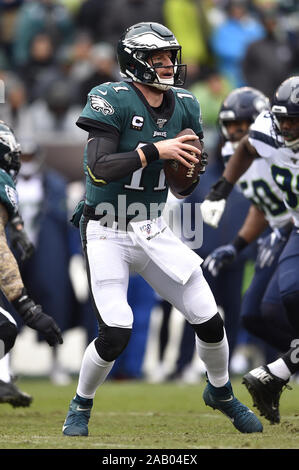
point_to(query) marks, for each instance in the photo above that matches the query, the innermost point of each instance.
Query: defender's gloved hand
(220, 257)
(214, 204)
(34, 317)
(212, 211)
(19, 238)
(269, 247)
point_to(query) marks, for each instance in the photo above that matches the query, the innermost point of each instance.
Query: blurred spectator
(210, 92)
(41, 62)
(272, 59)
(103, 68)
(42, 16)
(15, 111)
(120, 14)
(77, 57)
(230, 39)
(189, 22)
(8, 15)
(90, 18)
(55, 114)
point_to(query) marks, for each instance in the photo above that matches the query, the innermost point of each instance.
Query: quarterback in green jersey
(132, 127)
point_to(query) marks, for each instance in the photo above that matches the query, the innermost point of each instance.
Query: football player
(274, 136)
(11, 284)
(131, 128)
(261, 318)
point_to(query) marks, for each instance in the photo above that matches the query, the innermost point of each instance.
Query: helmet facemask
(147, 72)
(291, 136)
(286, 106)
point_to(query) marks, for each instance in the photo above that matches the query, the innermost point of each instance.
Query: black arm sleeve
(104, 164)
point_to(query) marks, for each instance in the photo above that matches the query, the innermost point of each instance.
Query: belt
(108, 220)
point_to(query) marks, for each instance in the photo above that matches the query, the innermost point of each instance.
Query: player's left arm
(10, 279)
(240, 161)
(254, 225)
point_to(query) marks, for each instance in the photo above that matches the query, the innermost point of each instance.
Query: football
(178, 176)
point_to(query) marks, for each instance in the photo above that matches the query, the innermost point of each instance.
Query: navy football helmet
(286, 105)
(10, 150)
(242, 104)
(135, 47)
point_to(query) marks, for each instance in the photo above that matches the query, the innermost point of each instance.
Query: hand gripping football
(178, 176)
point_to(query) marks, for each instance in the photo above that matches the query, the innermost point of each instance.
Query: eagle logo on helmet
(99, 104)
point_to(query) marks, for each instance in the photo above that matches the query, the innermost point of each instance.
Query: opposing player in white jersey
(119, 117)
(260, 317)
(275, 137)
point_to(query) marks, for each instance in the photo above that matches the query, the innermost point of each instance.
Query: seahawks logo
(295, 95)
(99, 104)
(12, 195)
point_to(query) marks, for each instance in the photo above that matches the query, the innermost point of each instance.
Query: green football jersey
(8, 193)
(123, 106)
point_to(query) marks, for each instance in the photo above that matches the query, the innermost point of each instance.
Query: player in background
(274, 136)
(11, 283)
(131, 129)
(259, 315)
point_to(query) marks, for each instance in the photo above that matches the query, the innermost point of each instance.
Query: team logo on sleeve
(12, 195)
(99, 104)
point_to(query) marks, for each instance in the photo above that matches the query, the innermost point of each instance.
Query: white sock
(93, 372)
(5, 375)
(215, 357)
(280, 369)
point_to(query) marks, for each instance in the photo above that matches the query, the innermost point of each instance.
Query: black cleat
(265, 389)
(9, 393)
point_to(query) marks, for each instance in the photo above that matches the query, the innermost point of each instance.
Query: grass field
(138, 415)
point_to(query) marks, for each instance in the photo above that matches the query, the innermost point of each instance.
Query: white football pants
(113, 255)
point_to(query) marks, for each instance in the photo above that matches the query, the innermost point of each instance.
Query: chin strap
(293, 145)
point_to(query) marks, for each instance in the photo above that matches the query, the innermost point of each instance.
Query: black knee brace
(291, 303)
(111, 341)
(210, 331)
(8, 334)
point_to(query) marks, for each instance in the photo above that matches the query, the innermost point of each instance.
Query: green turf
(138, 415)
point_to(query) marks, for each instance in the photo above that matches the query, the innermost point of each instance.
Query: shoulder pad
(8, 193)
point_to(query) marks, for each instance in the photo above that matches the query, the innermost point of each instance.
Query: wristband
(220, 190)
(239, 243)
(151, 153)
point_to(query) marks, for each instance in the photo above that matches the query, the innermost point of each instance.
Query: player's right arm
(12, 286)
(105, 164)
(254, 225)
(214, 204)
(240, 161)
